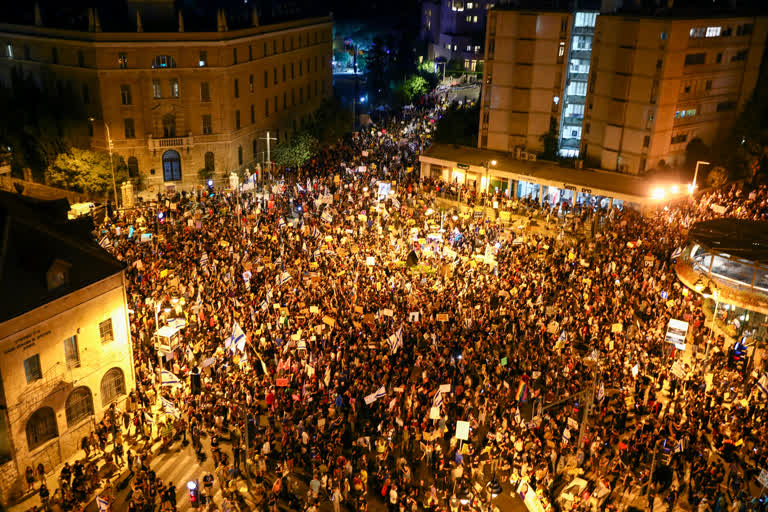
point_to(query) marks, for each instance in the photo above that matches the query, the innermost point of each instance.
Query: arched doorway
(41, 427)
(112, 386)
(79, 405)
(171, 166)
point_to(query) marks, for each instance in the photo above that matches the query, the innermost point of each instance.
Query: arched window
(171, 166)
(209, 162)
(133, 167)
(79, 405)
(169, 125)
(163, 61)
(41, 427)
(112, 386)
(239, 155)
(255, 148)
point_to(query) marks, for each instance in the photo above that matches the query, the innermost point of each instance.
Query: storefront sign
(463, 166)
(569, 187)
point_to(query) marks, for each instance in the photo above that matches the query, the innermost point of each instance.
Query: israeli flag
(396, 340)
(102, 504)
(264, 305)
(566, 436)
(285, 277)
(281, 223)
(204, 260)
(680, 446)
(105, 243)
(169, 379)
(395, 202)
(169, 407)
(238, 338)
(381, 392)
(326, 217)
(677, 252)
(315, 232)
(437, 401)
(762, 383)
(601, 393)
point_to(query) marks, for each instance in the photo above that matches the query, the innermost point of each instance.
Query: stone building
(65, 345)
(175, 92)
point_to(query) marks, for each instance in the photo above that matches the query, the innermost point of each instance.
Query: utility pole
(269, 155)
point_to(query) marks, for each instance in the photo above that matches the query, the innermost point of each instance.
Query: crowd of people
(343, 328)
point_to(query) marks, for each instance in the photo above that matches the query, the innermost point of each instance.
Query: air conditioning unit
(532, 157)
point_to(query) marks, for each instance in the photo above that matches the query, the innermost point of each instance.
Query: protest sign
(462, 430)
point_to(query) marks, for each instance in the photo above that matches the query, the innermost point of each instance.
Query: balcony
(570, 143)
(580, 54)
(162, 143)
(573, 120)
(583, 31)
(578, 77)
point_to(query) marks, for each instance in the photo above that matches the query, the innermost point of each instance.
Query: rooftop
(37, 240)
(610, 184)
(740, 238)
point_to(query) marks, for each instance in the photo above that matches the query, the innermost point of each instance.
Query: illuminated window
(163, 61)
(561, 49)
(713, 31)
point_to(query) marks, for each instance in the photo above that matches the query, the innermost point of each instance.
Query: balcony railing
(169, 142)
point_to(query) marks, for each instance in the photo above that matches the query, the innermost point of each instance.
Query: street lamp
(111, 161)
(488, 163)
(711, 292)
(696, 174)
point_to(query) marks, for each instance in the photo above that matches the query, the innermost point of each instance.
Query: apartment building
(182, 98)
(454, 30)
(523, 78)
(65, 345)
(657, 83)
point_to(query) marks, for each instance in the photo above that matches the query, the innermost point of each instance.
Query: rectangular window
(86, 94)
(234, 55)
(157, 89)
(55, 57)
(285, 100)
(71, 353)
(174, 87)
(697, 32)
(105, 331)
(205, 91)
(274, 75)
(742, 55)
(293, 97)
(253, 114)
(646, 141)
(203, 61)
(9, 50)
(693, 59)
(283, 73)
(80, 57)
(32, 368)
(266, 79)
(207, 124)
(266, 107)
(301, 72)
(713, 31)
(125, 94)
(122, 59)
(678, 139)
(237, 119)
(301, 95)
(275, 104)
(250, 83)
(130, 130)
(250, 52)
(237, 88)
(708, 85)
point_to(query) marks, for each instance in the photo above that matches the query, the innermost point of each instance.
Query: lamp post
(110, 146)
(488, 163)
(696, 174)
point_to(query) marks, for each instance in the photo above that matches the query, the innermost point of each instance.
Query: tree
(549, 140)
(330, 122)
(296, 151)
(717, 177)
(376, 61)
(459, 125)
(696, 151)
(87, 171)
(36, 122)
(414, 87)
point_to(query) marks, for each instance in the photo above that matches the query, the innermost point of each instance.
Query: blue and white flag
(762, 383)
(326, 217)
(396, 340)
(284, 277)
(437, 401)
(105, 243)
(566, 436)
(102, 504)
(204, 260)
(237, 340)
(281, 223)
(169, 379)
(395, 202)
(170, 408)
(601, 393)
(264, 305)
(315, 232)
(379, 393)
(680, 446)
(677, 252)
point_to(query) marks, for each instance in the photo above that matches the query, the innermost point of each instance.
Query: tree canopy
(296, 151)
(86, 171)
(459, 125)
(330, 122)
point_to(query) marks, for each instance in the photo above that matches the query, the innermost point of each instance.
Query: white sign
(676, 332)
(462, 430)
(434, 413)
(763, 478)
(370, 261)
(445, 388)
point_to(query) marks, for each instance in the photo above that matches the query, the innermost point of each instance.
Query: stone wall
(10, 483)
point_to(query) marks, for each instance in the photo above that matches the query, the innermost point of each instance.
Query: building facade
(657, 83)
(175, 102)
(619, 92)
(453, 31)
(65, 344)
(523, 78)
